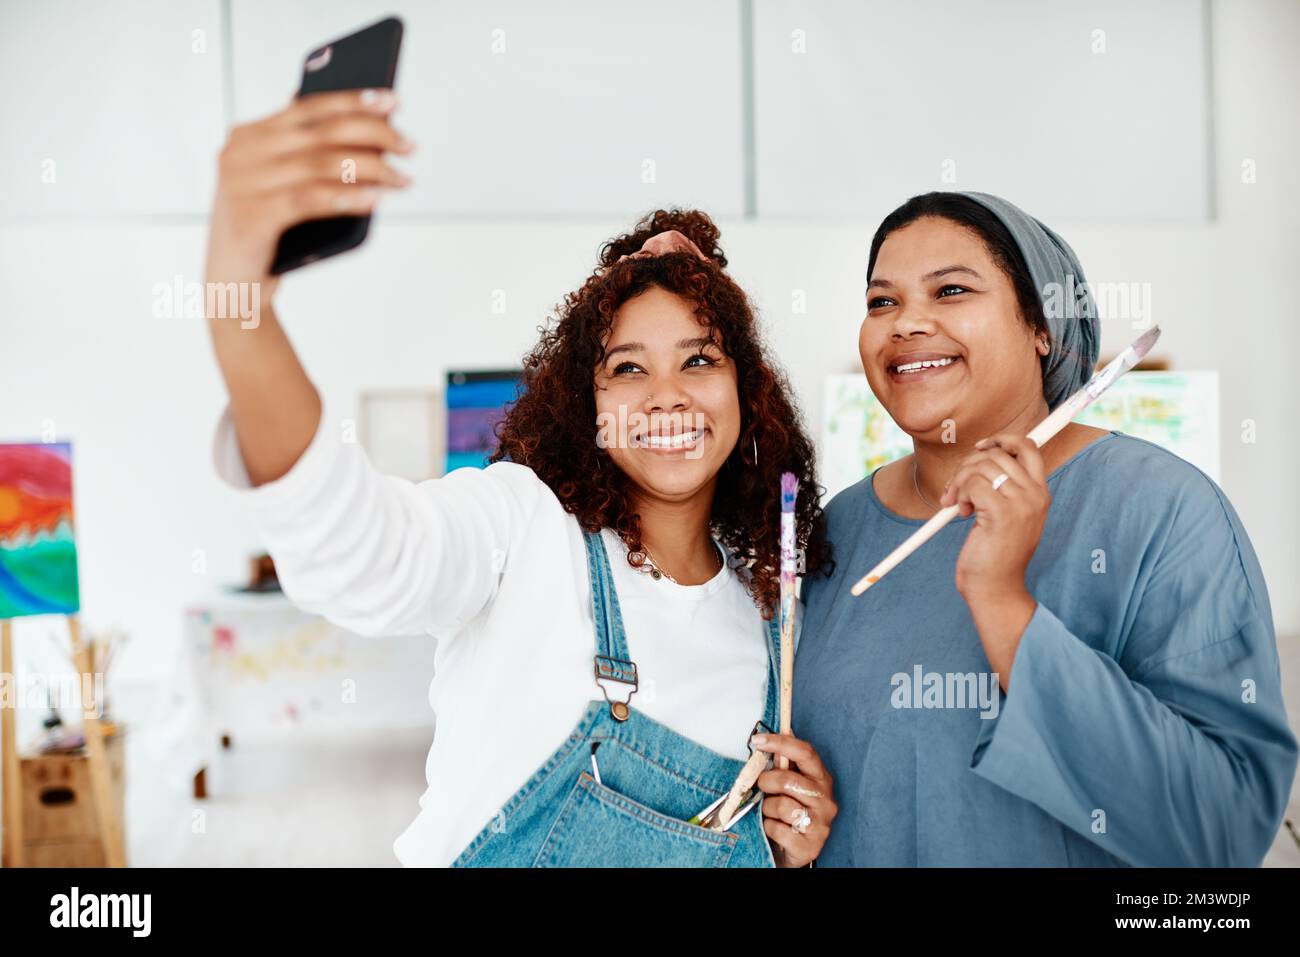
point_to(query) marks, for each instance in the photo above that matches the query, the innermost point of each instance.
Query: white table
(251, 663)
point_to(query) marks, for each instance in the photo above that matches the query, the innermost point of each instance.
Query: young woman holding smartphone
(602, 593)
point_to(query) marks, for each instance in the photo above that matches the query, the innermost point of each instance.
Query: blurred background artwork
(858, 436)
(476, 401)
(1178, 411)
(253, 665)
(400, 431)
(38, 550)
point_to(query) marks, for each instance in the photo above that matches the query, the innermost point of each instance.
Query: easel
(106, 812)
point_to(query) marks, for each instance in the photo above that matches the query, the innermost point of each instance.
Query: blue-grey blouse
(1144, 724)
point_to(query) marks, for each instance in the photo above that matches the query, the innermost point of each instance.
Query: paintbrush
(789, 493)
(1057, 420)
(110, 646)
(63, 652)
(741, 789)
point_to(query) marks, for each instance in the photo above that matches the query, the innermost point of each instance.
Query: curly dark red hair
(551, 427)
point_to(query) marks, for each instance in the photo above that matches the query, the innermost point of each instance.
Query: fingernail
(758, 739)
(378, 100)
(403, 144)
(403, 179)
(981, 443)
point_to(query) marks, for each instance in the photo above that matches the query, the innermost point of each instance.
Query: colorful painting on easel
(38, 553)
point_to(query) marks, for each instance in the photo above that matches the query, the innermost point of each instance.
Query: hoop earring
(755, 462)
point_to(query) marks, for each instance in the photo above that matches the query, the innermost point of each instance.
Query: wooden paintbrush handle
(914, 541)
(743, 783)
(787, 686)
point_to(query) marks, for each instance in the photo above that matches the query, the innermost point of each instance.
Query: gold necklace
(917, 485)
(656, 571)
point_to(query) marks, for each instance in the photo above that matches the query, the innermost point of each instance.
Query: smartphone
(366, 59)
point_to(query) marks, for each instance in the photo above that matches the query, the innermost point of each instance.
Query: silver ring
(999, 481)
(803, 823)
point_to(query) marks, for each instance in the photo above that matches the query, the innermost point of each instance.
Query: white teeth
(670, 441)
(924, 364)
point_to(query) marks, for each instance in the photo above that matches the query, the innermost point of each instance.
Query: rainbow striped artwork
(38, 553)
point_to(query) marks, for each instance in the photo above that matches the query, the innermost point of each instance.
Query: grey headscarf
(1067, 300)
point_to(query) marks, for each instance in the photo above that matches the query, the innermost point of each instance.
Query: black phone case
(366, 59)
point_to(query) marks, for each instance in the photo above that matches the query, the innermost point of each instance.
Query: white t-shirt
(489, 563)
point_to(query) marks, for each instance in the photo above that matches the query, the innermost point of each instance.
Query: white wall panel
(558, 120)
(120, 103)
(1011, 96)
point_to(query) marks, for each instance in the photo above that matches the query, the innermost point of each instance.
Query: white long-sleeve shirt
(489, 563)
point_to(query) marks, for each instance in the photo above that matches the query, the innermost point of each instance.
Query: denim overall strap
(622, 790)
(771, 710)
(612, 662)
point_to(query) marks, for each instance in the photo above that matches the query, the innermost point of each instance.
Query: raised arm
(373, 553)
(279, 171)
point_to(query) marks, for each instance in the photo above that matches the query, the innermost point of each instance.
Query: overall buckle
(621, 671)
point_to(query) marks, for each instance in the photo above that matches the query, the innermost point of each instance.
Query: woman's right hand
(799, 806)
(321, 156)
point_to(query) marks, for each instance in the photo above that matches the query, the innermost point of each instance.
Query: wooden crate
(60, 828)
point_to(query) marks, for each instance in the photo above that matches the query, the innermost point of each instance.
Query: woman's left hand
(798, 807)
(1009, 521)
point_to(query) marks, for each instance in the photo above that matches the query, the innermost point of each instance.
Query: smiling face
(944, 338)
(667, 403)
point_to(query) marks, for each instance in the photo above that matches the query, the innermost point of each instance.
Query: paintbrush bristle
(789, 489)
(1144, 344)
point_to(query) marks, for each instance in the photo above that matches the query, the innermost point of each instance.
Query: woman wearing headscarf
(1080, 670)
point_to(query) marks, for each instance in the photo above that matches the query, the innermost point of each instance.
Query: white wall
(110, 110)
(525, 109)
(138, 395)
(1022, 95)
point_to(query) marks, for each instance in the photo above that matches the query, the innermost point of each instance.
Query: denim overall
(653, 780)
